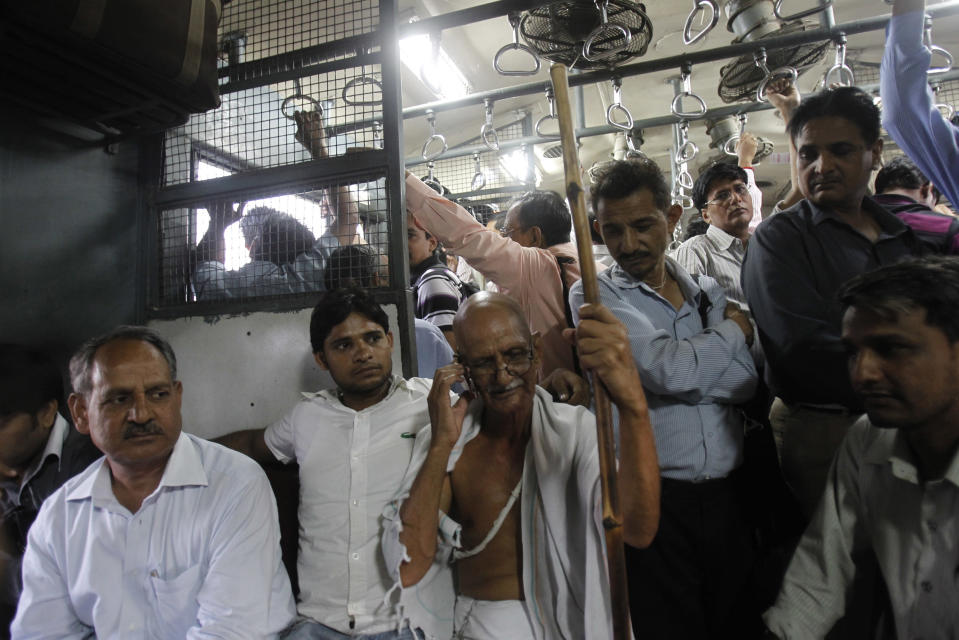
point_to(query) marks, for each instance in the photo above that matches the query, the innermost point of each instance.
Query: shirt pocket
(175, 603)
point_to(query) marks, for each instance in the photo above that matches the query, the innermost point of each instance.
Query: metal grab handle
(550, 116)
(487, 131)
(684, 200)
(777, 9)
(632, 151)
(430, 181)
(617, 106)
(370, 80)
(730, 147)
(434, 137)
(700, 5)
(933, 49)
(299, 95)
(676, 106)
(479, 178)
(845, 75)
(514, 21)
(947, 110)
(378, 135)
(759, 58)
(686, 153)
(685, 179)
(605, 26)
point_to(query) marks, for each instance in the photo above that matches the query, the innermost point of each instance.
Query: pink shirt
(528, 274)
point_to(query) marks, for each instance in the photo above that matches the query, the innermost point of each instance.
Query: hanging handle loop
(698, 7)
(514, 21)
(699, 108)
(358, 84)
(550, 116)
(730, 147)
(434, 139)
(777, 9)
(759, 58)
(298, 95)
(687, 149)
(842, 72)
(934, 50)
(616, 107)
(487, 131)
(606, 32)
(479, 178)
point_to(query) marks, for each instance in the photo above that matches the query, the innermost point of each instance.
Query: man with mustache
(168, 535)
(691, 348)
(510, 482)
(892, 493)
(796, 262)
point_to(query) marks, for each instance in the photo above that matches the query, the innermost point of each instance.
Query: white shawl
(564, 554)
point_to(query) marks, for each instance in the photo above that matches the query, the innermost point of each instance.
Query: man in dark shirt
(795, 264)
(903, 189)
(39, 451)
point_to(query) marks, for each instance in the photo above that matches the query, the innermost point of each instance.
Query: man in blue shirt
(691, 348)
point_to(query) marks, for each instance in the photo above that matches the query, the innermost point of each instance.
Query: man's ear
(598, 229)
(78, 410)
(673, 214)
(47, 414)
(536, 234)
(537, 346)
(705, 216)
(877, 154)
(320, 360)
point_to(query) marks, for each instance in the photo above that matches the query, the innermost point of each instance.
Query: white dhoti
(491, 620)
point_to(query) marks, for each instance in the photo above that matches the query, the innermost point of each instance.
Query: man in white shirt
(167, 536)
(892, 493)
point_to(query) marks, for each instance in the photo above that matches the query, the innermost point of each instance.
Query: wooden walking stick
(612, 515)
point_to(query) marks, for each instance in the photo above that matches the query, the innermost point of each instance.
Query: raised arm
(212, 247)
(310, 134)
(431, 491)
(783, 94)
(603, 346)
(745, 152)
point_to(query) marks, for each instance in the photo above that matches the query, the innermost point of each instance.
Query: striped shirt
(718, 255)
(436, 292)
(693, 375)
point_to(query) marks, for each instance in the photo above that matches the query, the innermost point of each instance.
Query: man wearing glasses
(797, 261)
(517, 480)
(531, 260)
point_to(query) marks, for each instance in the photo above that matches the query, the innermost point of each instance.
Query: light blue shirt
(432, 349)
(693, 376)
(200, 559)
(908, 106)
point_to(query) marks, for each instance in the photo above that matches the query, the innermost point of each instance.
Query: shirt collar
(332, 396)
(54, 447)
(721, 239)
(889, 224)
(892, 448)
(184, 468)
(689, 288)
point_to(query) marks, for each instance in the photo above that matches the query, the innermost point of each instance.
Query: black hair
(901, 173)
(622, 178)
(851, 103)
(28, 380)
(546, 210)
(82, 360)
(281, 239)
(354, 265)
(719, 171)
(930, 283)
(336, 306)
(695, 227)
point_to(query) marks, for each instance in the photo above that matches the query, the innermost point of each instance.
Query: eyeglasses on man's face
(725, 196)
(507, 232)
(516, 362)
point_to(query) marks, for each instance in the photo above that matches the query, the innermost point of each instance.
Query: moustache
(136, 430)
(503, 388)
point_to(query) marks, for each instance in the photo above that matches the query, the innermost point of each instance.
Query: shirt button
(356, 556)
(356, 503)
(926, 586)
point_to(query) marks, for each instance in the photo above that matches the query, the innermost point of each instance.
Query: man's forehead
(115, 360)
(636, 205)
(829, 130)
(355, 324)
(724, 183)
(487, 326)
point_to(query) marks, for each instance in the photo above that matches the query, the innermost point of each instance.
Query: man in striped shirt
(692, 352)
(436, 290)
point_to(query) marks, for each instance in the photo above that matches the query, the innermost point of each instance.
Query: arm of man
(603, 346)
(45, 610)
(310, 134)
(713, 364)
(431, 490)
(908, 104)
(783, 94)
(745, 152)
(246, 591)
(507, 263)
(813, 593)
(800, 338)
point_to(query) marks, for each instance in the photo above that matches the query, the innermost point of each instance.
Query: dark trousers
(694, 580)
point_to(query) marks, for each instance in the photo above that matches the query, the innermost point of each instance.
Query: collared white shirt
(718, 255)
(875, 500)
(351, 464)
(199, 559)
